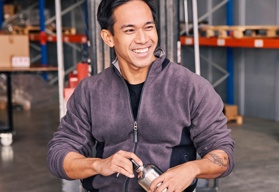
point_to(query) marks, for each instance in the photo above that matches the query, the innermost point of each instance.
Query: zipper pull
(135, 132)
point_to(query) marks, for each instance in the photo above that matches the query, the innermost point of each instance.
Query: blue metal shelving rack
(230, 57)
(1, 13)
(44, 60)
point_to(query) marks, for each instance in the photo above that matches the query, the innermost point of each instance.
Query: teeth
(140, 50)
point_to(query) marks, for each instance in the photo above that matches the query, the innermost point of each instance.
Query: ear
(107, 37)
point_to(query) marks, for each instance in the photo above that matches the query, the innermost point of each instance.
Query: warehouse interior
(232, 43)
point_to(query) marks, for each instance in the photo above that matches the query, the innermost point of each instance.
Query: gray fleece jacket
(179, 115)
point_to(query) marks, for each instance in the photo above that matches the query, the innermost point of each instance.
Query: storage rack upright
(230, 43)
(43, 37)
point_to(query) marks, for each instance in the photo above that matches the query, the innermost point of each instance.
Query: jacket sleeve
(74, 132)
(209, 124)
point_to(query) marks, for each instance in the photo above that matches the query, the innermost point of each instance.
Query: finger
(125, 164)
(130, 155)
(122, 166)
(161, 187)
(157, 184)
(137, 160)
(122, 171)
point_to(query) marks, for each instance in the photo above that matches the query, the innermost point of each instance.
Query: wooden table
(6, 131)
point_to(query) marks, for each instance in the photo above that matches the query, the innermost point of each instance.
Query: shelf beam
(267, 43)
(78, 38)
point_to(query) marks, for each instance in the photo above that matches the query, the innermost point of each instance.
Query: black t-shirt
(135, 93)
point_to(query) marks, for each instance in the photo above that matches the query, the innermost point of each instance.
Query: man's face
(135, 35)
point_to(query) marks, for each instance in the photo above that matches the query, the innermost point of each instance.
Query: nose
(141, 37)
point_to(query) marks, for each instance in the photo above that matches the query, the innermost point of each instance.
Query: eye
(129, 31)
(149, 27)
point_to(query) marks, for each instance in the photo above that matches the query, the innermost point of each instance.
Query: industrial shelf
(269, 43)
(78, 38)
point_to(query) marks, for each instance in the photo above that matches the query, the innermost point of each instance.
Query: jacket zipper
(135, 148)
(135, 133)
(135, 127)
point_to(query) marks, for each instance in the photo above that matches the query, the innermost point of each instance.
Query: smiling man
(134, 39)
(143, 107)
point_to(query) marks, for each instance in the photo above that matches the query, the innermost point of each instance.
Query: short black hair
(107, 7)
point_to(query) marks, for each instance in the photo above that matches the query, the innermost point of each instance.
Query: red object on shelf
(68, 92)
(75, 77)
(73, 80)
(272, 43)
(82, 71)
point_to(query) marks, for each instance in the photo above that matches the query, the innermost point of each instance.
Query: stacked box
(231, 112)
(9, 10)
(14, 48)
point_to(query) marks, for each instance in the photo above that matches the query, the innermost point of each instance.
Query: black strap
(165, 63)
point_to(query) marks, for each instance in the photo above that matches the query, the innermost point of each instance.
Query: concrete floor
(256, 156)
(23, 164)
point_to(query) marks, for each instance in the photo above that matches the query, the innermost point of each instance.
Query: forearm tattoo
(222, 162)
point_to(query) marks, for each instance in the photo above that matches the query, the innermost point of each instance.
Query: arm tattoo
(218, 160)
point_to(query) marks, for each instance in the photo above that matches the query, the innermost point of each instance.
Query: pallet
(239, 31)
(238, 119)
(25, 30)
(214, 31)
(231, 112)
(255, 31)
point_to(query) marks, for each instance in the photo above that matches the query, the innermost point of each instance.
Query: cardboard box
(230, 110)
(9, 11)
(12, 46)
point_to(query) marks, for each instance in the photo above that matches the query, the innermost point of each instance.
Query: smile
(140, 50)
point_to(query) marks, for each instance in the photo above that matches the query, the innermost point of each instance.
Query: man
(143, 107)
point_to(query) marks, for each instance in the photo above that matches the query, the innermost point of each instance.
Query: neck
(135, 76)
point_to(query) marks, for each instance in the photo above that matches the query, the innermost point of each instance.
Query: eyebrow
(131, 25)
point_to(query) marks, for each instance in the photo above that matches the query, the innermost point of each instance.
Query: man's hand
(178, 178)
(117, 163)
(77, 166)
(175, 179)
